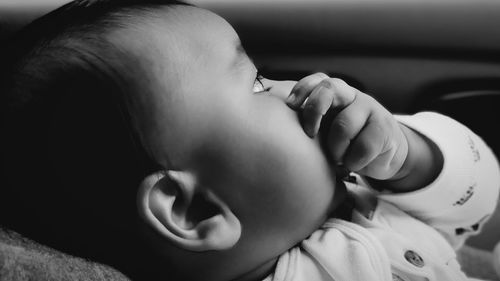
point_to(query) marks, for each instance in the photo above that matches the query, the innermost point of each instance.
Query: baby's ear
(191, 217)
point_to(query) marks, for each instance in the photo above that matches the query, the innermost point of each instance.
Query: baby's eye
(258, 86)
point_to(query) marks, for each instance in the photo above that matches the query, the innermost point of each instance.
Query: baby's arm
(459, 201)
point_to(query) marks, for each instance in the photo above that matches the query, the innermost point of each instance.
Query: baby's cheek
(310, 183)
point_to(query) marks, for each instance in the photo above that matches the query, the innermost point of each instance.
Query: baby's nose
(280, 89)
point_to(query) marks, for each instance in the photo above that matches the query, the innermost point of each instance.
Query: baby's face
(205, 113)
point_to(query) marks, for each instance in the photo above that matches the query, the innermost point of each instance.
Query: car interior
(413, 55)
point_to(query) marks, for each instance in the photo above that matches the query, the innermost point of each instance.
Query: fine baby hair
(70, 154)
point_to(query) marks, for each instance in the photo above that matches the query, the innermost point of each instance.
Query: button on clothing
(396, 277)
(406, 236)
(414, 258)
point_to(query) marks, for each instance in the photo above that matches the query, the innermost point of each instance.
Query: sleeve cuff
(468, 185)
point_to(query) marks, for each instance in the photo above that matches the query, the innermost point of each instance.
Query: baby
(235, 177)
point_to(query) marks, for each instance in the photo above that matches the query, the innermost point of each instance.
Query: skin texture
(248, 146)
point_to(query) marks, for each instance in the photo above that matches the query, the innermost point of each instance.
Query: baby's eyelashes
(258, 85)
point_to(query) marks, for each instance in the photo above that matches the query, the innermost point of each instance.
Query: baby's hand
(362, 135)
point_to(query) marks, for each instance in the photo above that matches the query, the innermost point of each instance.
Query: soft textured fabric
(22, 259)
(406, 236)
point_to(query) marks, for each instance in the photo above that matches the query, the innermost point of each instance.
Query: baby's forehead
(176, 38)
(177, 25)
(175, 44)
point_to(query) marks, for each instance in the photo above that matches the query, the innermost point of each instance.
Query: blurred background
(16, 13)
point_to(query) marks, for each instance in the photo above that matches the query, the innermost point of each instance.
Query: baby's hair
(66, 130)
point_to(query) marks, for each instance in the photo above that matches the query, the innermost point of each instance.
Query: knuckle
(338, 83)
(389, 120)
(328, 83)
(336, 80)
(321, 75)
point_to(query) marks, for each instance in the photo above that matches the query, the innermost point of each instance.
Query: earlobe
(191, 217)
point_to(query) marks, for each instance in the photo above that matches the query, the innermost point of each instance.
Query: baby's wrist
(421, 166)
(408, 162)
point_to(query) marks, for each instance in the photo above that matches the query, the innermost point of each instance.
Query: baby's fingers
(316, 106)
(344, 128)
(302, 90)
(331, 93)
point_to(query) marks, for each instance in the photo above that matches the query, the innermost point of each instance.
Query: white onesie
(406, 236)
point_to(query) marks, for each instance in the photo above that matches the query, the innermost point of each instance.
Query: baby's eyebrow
(241, 56)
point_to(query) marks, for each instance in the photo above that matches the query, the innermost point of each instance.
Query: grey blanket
(22, 259)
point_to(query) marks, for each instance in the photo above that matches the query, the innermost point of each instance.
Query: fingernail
(315, 130)
(310, 131)
(291, 98)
